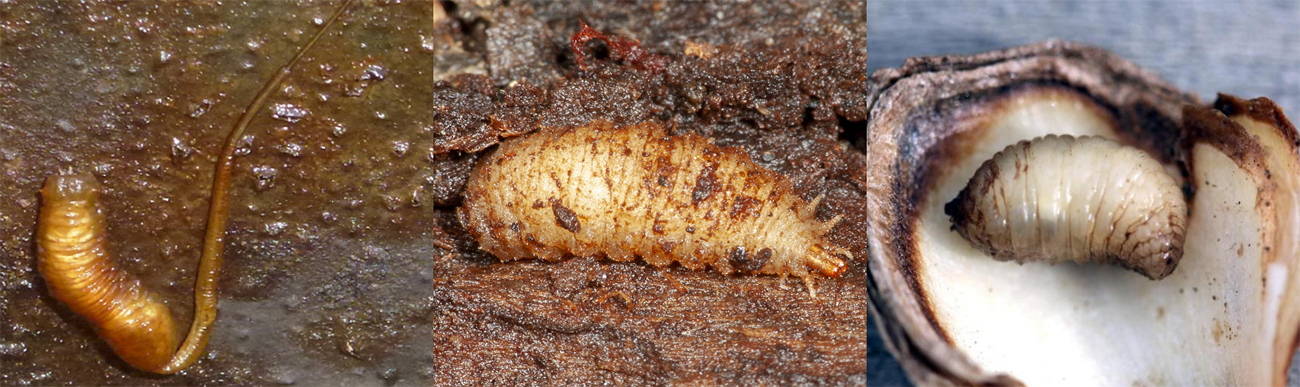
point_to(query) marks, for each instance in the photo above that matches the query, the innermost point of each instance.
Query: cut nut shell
(953, 316)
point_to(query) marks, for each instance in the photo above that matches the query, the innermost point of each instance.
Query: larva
(78, 271)
(73, 260)
(1084, 199)
(637, 191)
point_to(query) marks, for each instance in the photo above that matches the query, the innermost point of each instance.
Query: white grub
(1081, 199)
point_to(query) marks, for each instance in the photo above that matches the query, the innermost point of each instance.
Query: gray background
(1247, 48)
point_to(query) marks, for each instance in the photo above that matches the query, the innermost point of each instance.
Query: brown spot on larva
(558, 183)
(649, 187)
(515, 227)
(565, 217)
(745, 206)
(667, 246)
(537, 204)
(690, 229)
(994, 171)
(532, 240)
(664, 170)
(759, 260)
(742, 261)
(738, 257)
(705, 184)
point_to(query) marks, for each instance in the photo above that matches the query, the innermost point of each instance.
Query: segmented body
(633, 192)
(73, 260)
(1085, 199)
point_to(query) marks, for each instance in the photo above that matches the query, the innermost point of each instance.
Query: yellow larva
(1081, 199)
(622, 193)
(78, 270)
(73, 260)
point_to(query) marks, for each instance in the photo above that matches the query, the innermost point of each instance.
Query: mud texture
(345, 263)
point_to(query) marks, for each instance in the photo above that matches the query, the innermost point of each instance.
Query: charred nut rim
(910, 126)
(1266, 142)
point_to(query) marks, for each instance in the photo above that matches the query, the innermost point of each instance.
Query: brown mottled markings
(565, 217)
(760, 259)
(745, 206)
(640, 192)
(706, 183)
(667, 246)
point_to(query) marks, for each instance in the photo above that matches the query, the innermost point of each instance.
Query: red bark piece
(628, 50)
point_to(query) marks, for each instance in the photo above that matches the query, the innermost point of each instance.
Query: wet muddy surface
(345, 263)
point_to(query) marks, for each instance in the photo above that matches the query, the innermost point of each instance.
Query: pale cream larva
(636, 191)
(1082, 199)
